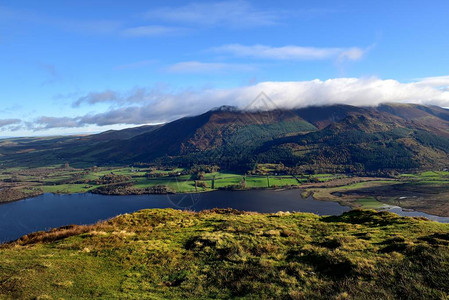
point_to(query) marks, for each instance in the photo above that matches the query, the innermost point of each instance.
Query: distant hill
(322, 138)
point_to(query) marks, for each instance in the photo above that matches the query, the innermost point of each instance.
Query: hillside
(168, 254)
(337, 138)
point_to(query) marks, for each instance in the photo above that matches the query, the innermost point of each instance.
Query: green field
(370, 203)
(62, 180)
(65, 188)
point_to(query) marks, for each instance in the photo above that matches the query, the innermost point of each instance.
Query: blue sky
(87, 66)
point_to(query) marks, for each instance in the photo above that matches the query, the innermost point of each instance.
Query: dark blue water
(49, 211)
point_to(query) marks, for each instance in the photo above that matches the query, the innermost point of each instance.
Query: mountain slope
(372, 139)
(218, 131)
(327, 138)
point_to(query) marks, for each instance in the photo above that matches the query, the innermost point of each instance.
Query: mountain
(330, 138)
(214, 135)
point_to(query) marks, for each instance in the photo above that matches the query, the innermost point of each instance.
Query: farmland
(426, 191)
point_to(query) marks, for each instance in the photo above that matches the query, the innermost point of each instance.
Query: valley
(426, 191)
(224, 149)
(393, 154)
(326, 160)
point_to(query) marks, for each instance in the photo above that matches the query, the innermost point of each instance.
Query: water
(407, 213)
(50, 211)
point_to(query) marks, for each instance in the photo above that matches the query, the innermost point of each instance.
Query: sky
(85, 66)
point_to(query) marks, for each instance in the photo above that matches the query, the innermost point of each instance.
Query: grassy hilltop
(169, 254)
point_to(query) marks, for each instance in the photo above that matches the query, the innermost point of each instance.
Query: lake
(49, 210)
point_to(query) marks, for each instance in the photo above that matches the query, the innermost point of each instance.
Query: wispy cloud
(136, 65)
(55, 122)
(6, 122)
(95, 97)
(206, 67)
(10, 124)
(143, 106)
(14, 107)
(73, 25)
(88, 26)
(167, 20)
(290, 52)
(226, 13)
(152, 30)
(136, 95)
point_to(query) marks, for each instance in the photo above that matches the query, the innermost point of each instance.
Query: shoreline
(23, 197)
(168, 193)
(320, 191)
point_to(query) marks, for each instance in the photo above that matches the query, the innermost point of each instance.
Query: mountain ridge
(334, 137)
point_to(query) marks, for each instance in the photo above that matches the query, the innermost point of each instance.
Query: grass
(428, 176)
(328, 193)
(222, 182)
(178, 185)
(66, 188)
(367, 184)
(222, 254)
(370, 203)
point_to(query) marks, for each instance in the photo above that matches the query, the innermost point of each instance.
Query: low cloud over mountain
(142, 106)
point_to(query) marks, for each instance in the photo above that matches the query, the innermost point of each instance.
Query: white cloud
(143, 106)
(152, 30)
(204, 67)
(231, 13)
(352, 91)
(290, 52)
(438, 82)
